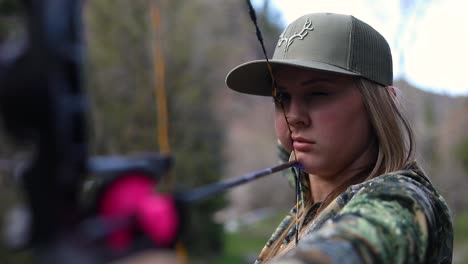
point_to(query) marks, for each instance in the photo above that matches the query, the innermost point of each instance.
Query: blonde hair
(395, 138)
(395, 148)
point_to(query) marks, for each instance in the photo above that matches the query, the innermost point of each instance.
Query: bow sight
(42, 102)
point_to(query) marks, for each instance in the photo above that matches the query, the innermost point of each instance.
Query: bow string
(278, 98)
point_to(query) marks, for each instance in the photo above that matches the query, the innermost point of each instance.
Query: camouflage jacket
(397, 217)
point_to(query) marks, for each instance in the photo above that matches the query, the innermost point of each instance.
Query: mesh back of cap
(370, 53)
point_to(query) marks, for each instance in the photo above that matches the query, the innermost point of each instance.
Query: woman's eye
(282, 97)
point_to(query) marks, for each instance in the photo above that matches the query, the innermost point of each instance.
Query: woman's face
(331, 132)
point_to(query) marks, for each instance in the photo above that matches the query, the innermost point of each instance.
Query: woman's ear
(393, 91)
(395, 94)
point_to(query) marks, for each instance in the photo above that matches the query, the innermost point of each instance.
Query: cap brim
(253, 77)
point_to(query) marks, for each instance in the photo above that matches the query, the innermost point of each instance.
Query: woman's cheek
(282, 133)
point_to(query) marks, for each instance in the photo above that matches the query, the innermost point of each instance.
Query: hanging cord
(299, 201)
(279, 100)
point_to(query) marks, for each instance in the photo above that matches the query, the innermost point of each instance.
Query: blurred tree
(202, 40)
(120, 76)
(124, 112)
(427, 148)
(195, 135)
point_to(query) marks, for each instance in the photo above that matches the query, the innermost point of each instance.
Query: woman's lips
(301, 144)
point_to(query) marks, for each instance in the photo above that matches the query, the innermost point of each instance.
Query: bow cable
(276, 95)
(159, 85)
(162, 112)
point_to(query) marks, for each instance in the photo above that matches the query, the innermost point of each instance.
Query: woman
(363, 198)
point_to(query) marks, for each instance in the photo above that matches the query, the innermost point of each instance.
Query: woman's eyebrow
(317, 80)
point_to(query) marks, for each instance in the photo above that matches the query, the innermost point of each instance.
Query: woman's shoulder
(409, 187)
(410, 183)
(378, 211)
(413, 190)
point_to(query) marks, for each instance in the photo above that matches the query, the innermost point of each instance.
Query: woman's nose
(296, 115)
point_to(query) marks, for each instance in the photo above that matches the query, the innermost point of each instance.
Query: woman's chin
(309, 168)
(310, 165)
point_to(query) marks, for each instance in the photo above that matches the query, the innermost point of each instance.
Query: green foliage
(429, 114)
(245, 245)
(461, 152)
(194, 133)
(460, 227)
(10, 257)
(460, 230)
(120, 77)
(429, 148)
(195, 50)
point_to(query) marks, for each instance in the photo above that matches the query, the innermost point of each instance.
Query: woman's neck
(322, 187)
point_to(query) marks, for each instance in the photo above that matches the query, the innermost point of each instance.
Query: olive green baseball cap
(324, 42)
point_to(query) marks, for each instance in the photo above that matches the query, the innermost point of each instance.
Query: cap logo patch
(301, 35)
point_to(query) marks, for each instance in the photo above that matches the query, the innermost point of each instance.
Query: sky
(428, 38)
